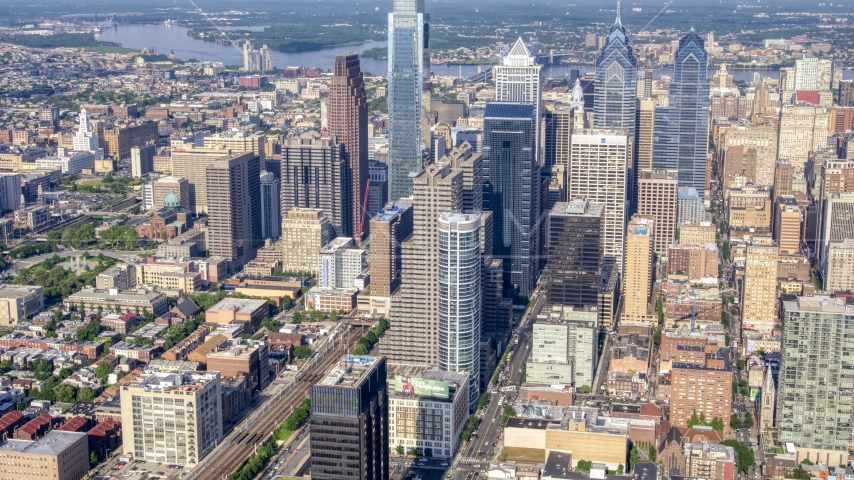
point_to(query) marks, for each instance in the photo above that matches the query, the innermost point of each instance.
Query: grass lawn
(520, 454)
(92, 182)
(109, 49)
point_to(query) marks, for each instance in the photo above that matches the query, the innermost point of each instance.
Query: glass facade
(408, 40)
(816, 382)
(511, 189)
(681, 132)
(615, 91)
(460, 297)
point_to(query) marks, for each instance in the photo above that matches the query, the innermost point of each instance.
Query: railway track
(259, 428)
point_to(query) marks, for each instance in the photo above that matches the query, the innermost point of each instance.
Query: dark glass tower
(511, 190)
(681, 132)
(574, 253)
(349, 421)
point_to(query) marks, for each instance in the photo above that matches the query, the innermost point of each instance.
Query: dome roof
(172, 200)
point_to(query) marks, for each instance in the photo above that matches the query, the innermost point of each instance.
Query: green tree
(651, 451)
(586, 389)
(360, 350)
(102, 371)
(93, 458)
(694, 420)
(65, 394)
(399, 449)
(807, 461)
(734, 422)
(800, 474)
(620, 469)
(483, 400)
(634, 457)
(333, 316)
(302, 351)
(748, 420)
(85, 394)
(583, 465)
(717, 423)
(744, 455)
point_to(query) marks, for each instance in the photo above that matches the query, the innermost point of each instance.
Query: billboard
(420, 386)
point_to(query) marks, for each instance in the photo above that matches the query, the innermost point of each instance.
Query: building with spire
(615, 89)
(85, 140)
(769, 401)
(681, 130)
(408, 70)
(577, 104)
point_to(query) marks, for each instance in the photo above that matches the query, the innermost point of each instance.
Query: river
(166, 38)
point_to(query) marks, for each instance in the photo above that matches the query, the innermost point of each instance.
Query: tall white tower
(85, 139)
(460, 297)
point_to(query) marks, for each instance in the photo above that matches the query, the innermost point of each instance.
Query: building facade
(574, 268)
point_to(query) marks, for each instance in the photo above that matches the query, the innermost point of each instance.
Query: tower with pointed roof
(85, 140)
(769, 400)
(519, 80)
(615, 87)
(682, 128)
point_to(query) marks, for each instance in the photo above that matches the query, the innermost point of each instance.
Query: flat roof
(349, 371)
(242, 305)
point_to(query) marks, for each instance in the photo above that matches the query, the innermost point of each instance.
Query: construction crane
(693, 309)
(364, 213)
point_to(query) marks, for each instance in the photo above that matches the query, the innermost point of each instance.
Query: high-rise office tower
(759, 296)
(597, 172)
(304, 232)
(637, 273)
(340, 263)
(813, 407)
(463, 159)
(315, 175)
(234, 213)
(559, 123)
(642, 146)
(408, 72)
(839, 273)
(142, 160)
(846, 93)
(460, 297)
(682, 128)
(615, 90)
(348, 120)
(689, 206)
(574, 237)
(190, 163)
(806, 73)
(657, 193)
(349, 421)
(803, 129)
(519, 80)
(271, 213)
(787, 224)
(836, 224)
(415, 315)
(512, 190)
(757, 166)
(390, 228)
(783, 176)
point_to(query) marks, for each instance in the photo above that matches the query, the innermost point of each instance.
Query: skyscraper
(637, 278)
(408, 71)
(142, 160)
(234, 213)
(759, 296)
(460, 297)
(85, 140)
(615, 90)
(415, 336)
(598, 170)
(813, 406)
(657, 194)
(681, 137)
(348, 120)
(574, 267)
(512, 190)
(519, 79)
(349, 421)
(315, 175)
(271, 213)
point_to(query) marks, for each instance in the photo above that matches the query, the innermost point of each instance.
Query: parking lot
(139, 470)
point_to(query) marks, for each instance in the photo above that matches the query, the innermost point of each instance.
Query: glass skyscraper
(460, 297)
(615, 91)
(815, 386)
(681, 132)
(511, 190)
(408, 69)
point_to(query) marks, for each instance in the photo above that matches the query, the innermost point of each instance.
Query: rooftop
(173, 381)
(349, 371)
(578, 208)
(242, 305)
(819, 304)
(53, 443)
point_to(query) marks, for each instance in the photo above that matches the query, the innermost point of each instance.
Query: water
(166, 38)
